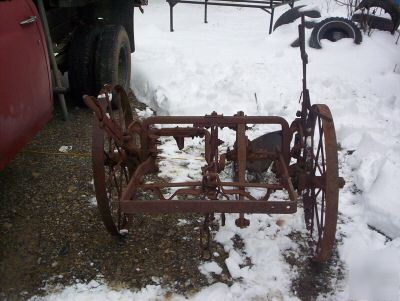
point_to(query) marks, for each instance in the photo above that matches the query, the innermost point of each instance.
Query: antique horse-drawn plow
(303, 155)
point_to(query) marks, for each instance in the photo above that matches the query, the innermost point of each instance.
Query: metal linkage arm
(98, 107)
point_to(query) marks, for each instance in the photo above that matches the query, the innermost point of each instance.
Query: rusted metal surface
(302, 158)
(111, 163)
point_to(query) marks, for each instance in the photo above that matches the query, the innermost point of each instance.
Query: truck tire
(81, 60)
(113, 58)
(334, 29)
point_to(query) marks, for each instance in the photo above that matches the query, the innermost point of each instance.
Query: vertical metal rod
(304, 55)
(306, 104)
(271, 22)
(241, 158)
(205, 11)
(171, 16)
(214, 146)
(53, 62)
(241, 155)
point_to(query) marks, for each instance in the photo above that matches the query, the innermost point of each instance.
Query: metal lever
(30, 20)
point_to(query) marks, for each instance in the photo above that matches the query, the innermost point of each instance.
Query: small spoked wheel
(111, 167)
(321, 191)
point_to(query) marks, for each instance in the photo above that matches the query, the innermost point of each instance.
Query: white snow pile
(231, 65)
(96, 290)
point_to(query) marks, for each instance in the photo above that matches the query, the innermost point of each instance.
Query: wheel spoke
(319, 148)
(312, 221)
(316, 156)
(319, 169)
(317, 218)
(109, 177)
(321, 131)
(126, 175)
(322, 208)
(121, 178)
(117, 186)
(111, 174)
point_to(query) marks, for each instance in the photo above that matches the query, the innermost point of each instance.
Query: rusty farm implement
(301, 156)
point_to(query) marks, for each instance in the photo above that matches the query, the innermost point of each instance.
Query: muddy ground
(51, 234)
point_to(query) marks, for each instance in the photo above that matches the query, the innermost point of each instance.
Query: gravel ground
(51, 233)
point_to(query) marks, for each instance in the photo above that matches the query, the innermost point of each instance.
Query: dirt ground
(51, 234)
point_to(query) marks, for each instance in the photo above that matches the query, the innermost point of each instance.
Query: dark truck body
(26, 89)
(65, 16)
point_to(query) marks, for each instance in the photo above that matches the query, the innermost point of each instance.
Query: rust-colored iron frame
(212, 194)
(209, 194)
(305, 165)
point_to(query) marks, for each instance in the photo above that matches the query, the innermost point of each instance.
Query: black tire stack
(98, 55)
(334, 29)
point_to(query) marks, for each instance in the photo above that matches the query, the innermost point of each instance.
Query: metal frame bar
(268, 6)
(211, 120)
(208, 206)
(56, 73)
(207, 127)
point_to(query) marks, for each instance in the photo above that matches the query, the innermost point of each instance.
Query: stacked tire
(98, 55)
(334, 29)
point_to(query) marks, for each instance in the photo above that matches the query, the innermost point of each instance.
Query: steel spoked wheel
(111, 168)
(321, 193)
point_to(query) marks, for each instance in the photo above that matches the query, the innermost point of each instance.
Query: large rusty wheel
(320, 196)
(110, 166)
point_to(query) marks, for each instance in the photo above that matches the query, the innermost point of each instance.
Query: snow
(210, 267)
(92, 201)
(309, 8)
(146, 113)
(65, 148)
(96, 290)
(231, 65)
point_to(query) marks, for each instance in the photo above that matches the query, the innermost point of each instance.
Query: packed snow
(231, 64)
(210, 267)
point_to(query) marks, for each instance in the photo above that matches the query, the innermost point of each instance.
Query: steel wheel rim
(110, 168)
(321, 204)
